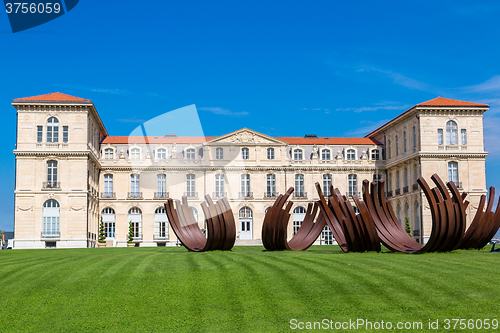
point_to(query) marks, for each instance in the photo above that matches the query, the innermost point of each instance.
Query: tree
(407, 226)
(102, 233)
(130, 232)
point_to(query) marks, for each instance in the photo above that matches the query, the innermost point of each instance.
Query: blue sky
(282, 68)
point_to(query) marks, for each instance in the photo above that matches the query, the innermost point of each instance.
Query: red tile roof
(441, 101)
(329, 141)
(438, 101)
(197, 140)
(53, 97)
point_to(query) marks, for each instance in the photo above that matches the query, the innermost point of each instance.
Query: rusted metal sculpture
(274, 235)
(219, 219)
(484, 226)
(353, 232)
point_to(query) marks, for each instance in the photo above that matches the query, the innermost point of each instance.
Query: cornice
(58, 153)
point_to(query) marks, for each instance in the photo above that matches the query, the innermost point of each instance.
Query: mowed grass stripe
(247, 289)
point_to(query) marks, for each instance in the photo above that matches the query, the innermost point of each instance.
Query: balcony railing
(300, 194)
(160, 237)
(51, 185)
(161, 195)
(134, 195)
(415, 187)
(389, 194)
(191, 194)
(397, 191)
(405, 189)
(245, 195)
(50, 234)
(219, 194)
(270, 195)
(108, 195)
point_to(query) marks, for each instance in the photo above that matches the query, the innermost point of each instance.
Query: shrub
(102, 234)
(407, 226)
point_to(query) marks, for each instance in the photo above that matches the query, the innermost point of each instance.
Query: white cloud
(223, 112)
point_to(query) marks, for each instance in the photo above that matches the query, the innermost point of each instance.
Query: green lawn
(245, 290)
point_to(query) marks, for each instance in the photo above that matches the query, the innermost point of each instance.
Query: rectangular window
(190, 186)
(245, 152)
(271, 186)
(375, 154)
(39, 133)
(404, 141)
(65, 133)
(414, 137)
(108, 186)
(463, 136)
(397, 146)
(245, 186)
(270, 153)
(440, 136)
(389, 149)
(327, 180)
(161, 186)
(219, 153)
(52, 174)
(134, 186)
(299, 186)
(108, 153)
(219, 186)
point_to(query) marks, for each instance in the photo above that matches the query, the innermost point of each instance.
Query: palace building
(70, 172)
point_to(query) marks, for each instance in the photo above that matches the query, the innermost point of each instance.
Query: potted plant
(101, 241)
(130, 236)
(407, 226)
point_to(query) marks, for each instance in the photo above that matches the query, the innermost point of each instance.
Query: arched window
(327, 236)
(416, 226)
(299, 214)
(161, 154)
(51, 219)
(161, 224)
(326, 154)
(270, 153)
(108, 186)
(297, 154)
(353, 185)
(135, 153)
(190, 154)
(375, 154)
(52, 175)
(52, 129)
(245, 153)
(407, 212)
(190, 186)
(451, 133)
(108, 153)
(108, 219)
(219, 186)
(219, 153)
(453, 172)
(135, 186)
(161, 185)
(270, 186)
(246, 223)
(299, 186)
(351, 154)
(327, 180)
(135, 218)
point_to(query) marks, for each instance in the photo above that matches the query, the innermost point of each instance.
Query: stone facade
(127, 179)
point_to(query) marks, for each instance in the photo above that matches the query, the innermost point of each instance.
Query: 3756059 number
(470, 324)
(26, 7)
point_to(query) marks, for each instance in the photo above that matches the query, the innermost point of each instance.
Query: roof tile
(441, 101)
(53, 97)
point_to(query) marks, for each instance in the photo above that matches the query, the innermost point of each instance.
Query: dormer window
(297, 154)
(161, 154)
(108, 153)
(135, 153)
(351, 154)
(325, 154)
(190, 154)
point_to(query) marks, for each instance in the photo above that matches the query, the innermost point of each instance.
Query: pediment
(246, 136)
